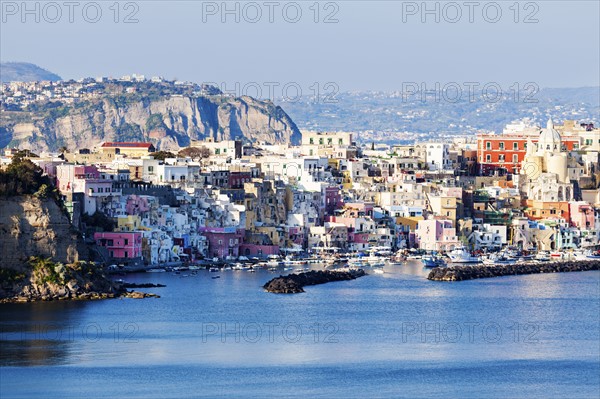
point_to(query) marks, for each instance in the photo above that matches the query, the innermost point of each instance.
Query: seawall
(461, 273)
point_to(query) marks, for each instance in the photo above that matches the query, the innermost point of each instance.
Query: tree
(194, 152)
(161, 155)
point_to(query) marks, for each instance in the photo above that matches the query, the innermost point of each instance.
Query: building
(131, 149)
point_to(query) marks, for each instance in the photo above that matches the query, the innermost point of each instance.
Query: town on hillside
(530, 189)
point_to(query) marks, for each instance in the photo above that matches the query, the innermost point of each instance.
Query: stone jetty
(461, 273)
(294, 283)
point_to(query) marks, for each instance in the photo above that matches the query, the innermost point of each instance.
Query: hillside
(393, 117)
(164, 113)
(25, 72)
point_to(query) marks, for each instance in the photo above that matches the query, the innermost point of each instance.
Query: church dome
(549, 139)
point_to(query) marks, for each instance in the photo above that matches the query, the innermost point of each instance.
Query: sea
(391, 335)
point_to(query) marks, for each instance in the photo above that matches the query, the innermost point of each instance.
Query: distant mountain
(25, 72)
(394, 117)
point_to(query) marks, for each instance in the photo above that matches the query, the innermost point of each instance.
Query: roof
(126, 144)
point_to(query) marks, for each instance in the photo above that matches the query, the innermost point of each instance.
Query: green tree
(194, 152)
(161, 155)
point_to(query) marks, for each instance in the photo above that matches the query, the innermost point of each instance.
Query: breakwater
(461, 273)
(293, 283)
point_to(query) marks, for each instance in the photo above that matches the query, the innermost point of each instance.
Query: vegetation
(8, 277)
(23, 177)
(130, 132)
(99, 221)
(154, 122)
(162, 155)
(194, 152)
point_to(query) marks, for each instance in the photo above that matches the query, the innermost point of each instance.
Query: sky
(308, 46)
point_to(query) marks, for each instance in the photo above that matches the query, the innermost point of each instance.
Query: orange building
(507, 151)
(537, 210)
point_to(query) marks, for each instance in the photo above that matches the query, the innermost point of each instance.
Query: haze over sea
(390, 335)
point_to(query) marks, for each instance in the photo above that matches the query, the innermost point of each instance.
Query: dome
(549, 139)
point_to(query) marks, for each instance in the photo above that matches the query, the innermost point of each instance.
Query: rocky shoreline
(294, 283)
(43, 280)
(462, 273)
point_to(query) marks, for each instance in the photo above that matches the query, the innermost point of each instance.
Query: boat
(586, 255)
(499, 260)
(461, 255)
(378, 271)
(214, 277)
(156, 270)
(542, 256)
(213, 269)
(432, 261)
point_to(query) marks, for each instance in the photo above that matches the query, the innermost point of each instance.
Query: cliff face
(33, 227)
(169, 121)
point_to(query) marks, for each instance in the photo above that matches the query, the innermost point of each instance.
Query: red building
(496, 152)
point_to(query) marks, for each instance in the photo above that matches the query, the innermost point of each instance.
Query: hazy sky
(368, 45)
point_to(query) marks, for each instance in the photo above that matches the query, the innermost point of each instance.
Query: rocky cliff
(30, 226)
(43, 258)
(169, 121)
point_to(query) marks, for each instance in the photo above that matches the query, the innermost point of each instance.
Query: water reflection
(37, 334)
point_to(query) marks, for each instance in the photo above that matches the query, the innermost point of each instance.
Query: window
(515, 158)
(311, 141)
(488, 158)
(340, 141)
(525, 145)
(515, 146)
(321, 141)
(126, 254)
(501, 158)
(126, 242)
(150, 169)
(501, 145)
(488, 145)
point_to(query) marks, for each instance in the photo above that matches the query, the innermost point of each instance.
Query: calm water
(390, 335)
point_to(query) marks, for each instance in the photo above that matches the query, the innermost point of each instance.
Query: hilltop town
(532, 188)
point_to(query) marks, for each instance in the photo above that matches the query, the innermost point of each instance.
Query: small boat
(156, 270)
(214, 277)
(432, 261)
(378, 271)
(461, 255)
(499, 260)
(213, 269)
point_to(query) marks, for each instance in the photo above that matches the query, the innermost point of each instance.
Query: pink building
(333, 199)
(237, 179)
(436, 235)
(125, 245)
(136, 204)
(223, 241)
(582, 215)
